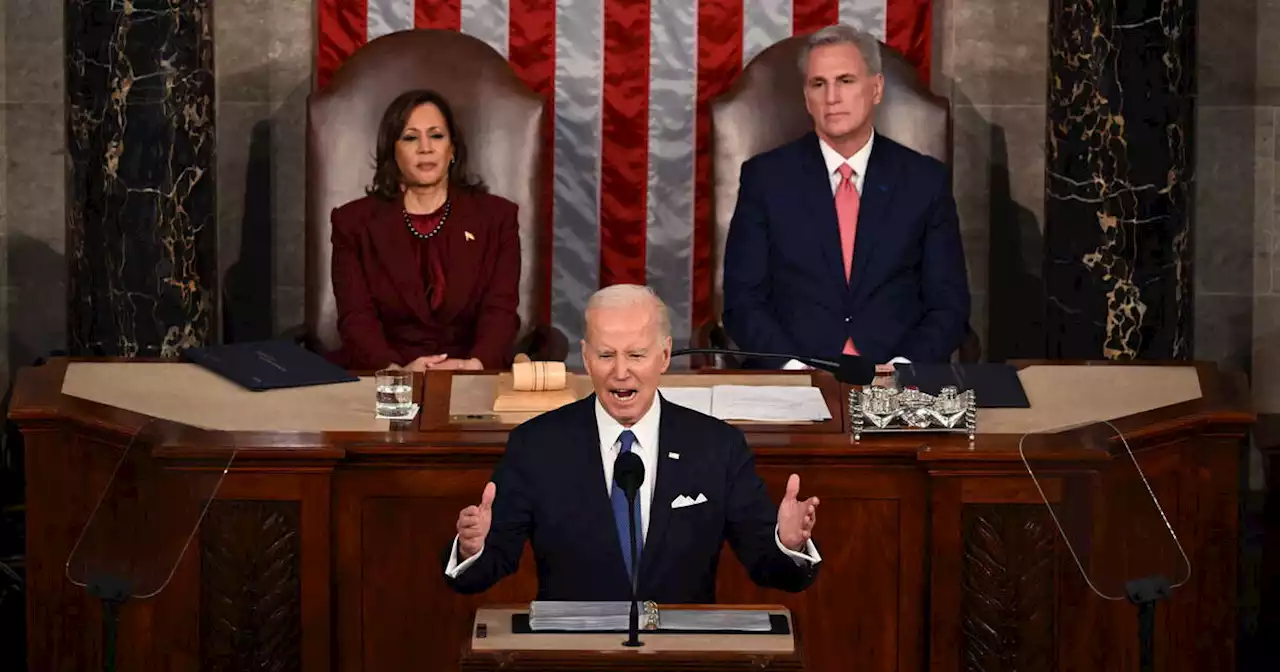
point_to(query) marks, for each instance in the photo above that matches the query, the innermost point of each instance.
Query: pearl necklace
(448, 205)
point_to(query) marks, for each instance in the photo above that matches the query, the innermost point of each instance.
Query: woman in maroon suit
(426, 267)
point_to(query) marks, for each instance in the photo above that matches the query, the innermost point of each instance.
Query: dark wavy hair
(386, 176)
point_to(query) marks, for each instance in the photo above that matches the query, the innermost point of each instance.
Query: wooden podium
(493, 646)
(938, 553)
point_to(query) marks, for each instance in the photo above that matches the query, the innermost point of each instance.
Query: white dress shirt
(858, 162)
(646, 446)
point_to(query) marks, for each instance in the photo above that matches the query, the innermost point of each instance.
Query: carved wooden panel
(1009, 572)
(250, 591)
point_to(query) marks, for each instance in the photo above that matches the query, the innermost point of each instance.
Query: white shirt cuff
(810, 554)
(793, 365)
(455, 568)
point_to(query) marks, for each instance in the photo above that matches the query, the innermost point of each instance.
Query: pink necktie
(847, 215)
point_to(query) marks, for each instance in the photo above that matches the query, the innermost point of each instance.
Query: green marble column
(1119, 181)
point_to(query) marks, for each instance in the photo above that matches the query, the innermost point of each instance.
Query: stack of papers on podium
(615, 616)
(738, 620)
(756, 403)
(581, 616)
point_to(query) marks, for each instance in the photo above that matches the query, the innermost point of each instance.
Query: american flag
(628, 85)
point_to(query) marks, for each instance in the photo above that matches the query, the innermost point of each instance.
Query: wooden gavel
(530, 376)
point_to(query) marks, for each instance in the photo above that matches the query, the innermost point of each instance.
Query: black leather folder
(268, 365)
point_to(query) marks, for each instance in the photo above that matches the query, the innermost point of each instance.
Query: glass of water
(394, 393)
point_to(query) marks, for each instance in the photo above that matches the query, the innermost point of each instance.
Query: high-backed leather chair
(500, 118)
(764, 108)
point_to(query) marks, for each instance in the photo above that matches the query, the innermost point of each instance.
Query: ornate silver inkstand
(880, 409)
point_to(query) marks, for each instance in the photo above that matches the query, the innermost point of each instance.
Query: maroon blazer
(383, 312)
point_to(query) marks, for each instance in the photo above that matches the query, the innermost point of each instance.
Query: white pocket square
(683, 501)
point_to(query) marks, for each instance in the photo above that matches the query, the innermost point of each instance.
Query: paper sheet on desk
(713, 620)
(769, 404)
(696, 398)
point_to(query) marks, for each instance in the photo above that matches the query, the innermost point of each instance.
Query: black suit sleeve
(752, 523)
(748, 317)
(944, 284)
(511, 526)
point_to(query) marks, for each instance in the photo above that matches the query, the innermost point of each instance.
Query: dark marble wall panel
(32, 181)
(141, 225)
(264, 60)
(996, 53)
(1227, 193)
(1119, 179)
(1266, 26)
(999, 185)
(1266, 353)
(4, 67)
(990, 60)
(1228, 57)
(244, 219)
(1227, 333)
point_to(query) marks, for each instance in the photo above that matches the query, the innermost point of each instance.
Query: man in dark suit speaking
(844, 241)
(554, 486)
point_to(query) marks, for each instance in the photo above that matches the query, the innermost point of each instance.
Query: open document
(696, 398)
(754, 403)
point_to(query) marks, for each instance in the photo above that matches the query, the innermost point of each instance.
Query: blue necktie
(620, 517)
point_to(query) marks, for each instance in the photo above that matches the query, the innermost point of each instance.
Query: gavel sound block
(533, 387)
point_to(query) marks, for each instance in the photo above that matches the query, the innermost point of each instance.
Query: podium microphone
(848, 369)
(628, 474)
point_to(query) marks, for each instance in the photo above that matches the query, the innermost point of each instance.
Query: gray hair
(626, 296)
(843, 33)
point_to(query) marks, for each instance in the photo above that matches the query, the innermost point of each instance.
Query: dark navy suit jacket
(551, 492)
(784, 282)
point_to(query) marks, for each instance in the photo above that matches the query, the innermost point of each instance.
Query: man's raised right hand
(473, 524)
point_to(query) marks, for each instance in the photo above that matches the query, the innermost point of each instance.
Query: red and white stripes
(628, 83)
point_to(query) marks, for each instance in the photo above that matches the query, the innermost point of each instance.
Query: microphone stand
(114, 592)
(633, 626)
(1144, 593)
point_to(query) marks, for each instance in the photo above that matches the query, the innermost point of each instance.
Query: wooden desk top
(186, 411)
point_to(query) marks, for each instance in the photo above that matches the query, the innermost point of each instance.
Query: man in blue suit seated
(554, 485)
(844, 241)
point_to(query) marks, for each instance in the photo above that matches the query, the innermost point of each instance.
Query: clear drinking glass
(394, 393)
